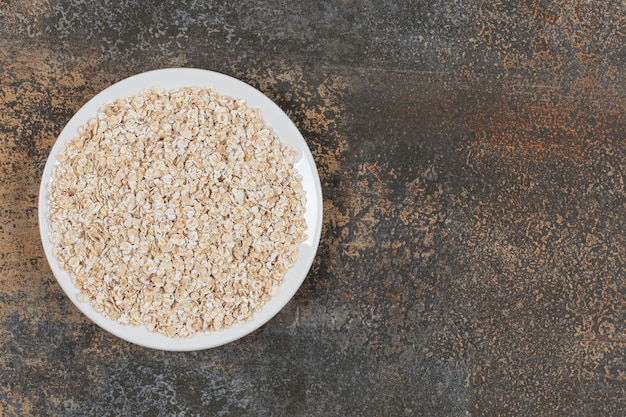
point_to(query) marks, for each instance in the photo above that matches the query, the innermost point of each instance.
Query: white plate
(287, 134)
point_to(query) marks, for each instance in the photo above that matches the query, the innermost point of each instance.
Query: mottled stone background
(473, 162)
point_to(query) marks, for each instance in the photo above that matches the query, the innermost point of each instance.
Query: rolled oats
(178, 210)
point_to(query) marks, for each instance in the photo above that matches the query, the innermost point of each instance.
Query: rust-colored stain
(542, 48)
(536, 127)
(539, 11)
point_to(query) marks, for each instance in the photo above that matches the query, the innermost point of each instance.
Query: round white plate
(287, 134)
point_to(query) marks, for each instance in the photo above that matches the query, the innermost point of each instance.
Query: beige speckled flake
(177, 210)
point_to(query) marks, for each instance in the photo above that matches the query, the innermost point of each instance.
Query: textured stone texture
(473, 160)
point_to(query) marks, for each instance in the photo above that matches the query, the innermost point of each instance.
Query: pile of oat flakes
(178, 210)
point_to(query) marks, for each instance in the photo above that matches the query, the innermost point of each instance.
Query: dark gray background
(472, 156)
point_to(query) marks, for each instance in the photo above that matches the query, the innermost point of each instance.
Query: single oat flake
(178, 210)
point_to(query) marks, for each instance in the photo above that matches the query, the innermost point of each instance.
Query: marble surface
(472, 157)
